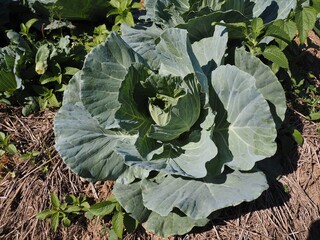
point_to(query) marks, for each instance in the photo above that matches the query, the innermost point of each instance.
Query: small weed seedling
(120, 219)
(6, 146)
(73, 206)
(64, 212)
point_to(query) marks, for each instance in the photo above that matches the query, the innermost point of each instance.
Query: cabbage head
(182, 140)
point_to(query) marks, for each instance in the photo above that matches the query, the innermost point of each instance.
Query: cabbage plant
(181, 139)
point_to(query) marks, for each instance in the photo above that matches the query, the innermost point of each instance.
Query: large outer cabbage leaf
(245, 131)
(266, 82)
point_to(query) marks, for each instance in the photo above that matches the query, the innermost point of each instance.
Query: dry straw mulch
(290, 209)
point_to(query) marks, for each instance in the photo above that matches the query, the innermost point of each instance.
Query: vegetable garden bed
(147, 119)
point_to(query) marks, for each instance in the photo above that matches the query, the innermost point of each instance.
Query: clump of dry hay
(275, 215)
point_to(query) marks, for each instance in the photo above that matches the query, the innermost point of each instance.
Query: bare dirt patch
(288, 210)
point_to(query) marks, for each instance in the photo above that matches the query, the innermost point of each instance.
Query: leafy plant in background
(6, 146)
(33, 71)
(73, 9)
(165, 124)
(122, 9)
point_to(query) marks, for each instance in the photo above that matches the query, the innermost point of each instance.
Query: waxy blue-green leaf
(217, 44)
(270, 10)
(130, 198)
(142, 39)
(177, 57)
(86, 147)
(104, 70)
(201, 27)
(166, 10)
(245, 131)
(266, 82)
(197, 199)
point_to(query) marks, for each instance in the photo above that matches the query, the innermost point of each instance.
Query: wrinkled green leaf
(102, 208)
(305, 19)
(274, 54)
(117, 224)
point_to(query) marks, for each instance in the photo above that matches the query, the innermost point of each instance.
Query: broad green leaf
(275, 55)
(314, 116)
(72, 209)
(245, 131)
(31, 22)
(201, 27)
(45, 214)
(177, 57)
(55, 221)
(113, 235)
(198, 199)
(172, 224)
(55, 200)
(11, 149)
(86, 147)
(279, 31)
(142, 39)
(2, 137)
(2, 152)
(270, 10)
(305, 19)
(104, 70)
(8, 81)
(233, 5)
(66, 222)
(209, 60)
(165, 10)
(257, 26)
(71, 71)
(117, 224)
(297, 136)
(102, 208)
(130, 198)
(266, 82)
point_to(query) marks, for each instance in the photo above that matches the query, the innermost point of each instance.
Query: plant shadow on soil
(284, 163)
(314, 231)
